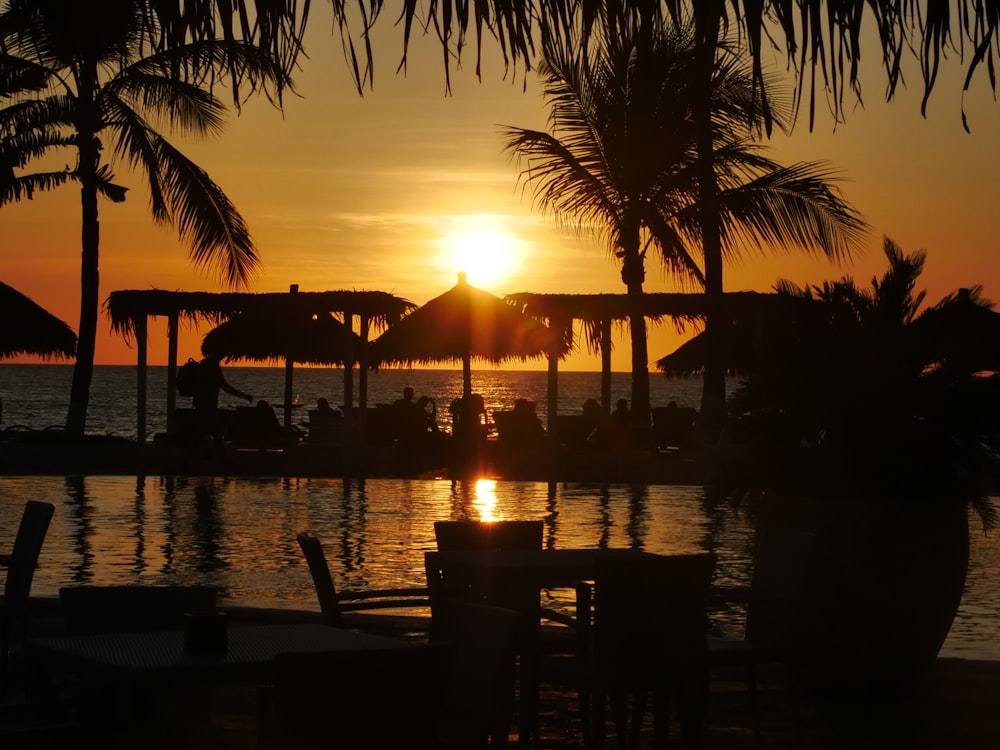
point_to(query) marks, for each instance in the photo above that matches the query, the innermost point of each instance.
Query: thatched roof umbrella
(597, 313)
(463, 324)
(30, 329)
(130, 309)
(689, 358)
(318, 339)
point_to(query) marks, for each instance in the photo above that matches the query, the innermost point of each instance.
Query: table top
(546, 567)
(250, 653)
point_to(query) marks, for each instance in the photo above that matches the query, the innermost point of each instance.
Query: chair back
(319, 569)
(650, 614)
(31, 532)
(458, 536)
(465, 536)
(132, 608)
(781, 565)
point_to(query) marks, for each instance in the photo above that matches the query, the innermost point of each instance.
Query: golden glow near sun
(485, 501)
(481, 247)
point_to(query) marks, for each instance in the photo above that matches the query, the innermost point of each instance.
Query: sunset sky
(375, 193)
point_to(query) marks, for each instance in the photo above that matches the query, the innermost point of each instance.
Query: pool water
(239, 534)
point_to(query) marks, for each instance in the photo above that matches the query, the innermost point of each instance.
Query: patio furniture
(453, 536)
(773, 603)
(258, 427)
(648, 639)
(514, 578)
(453, 695)
(96, 609)
(135, 665)
(132, 608)
(326, 427)
(334, 603)
(20, 563)
(508, 534)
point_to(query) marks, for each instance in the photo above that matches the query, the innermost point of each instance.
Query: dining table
(515, 578)
(137, 666)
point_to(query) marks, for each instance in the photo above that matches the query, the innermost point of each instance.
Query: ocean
(37, 396)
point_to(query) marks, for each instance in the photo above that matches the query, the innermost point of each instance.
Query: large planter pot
(885, 582)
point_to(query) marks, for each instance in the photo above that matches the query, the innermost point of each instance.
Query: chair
(647, 637)
(479, 700)
(461, 536)
(258, 427)
(781, 564)
(457, 536)
(132, 608)
(21, 563)
(333, 603)
(452, 695)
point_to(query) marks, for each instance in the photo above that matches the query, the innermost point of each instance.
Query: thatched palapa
(29, 328)
(463, 324)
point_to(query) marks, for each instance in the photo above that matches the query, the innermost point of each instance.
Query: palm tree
(874, 394)
(822, 38)
(624, 157)
(82, 76)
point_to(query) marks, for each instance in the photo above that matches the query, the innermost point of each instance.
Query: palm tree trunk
(633, 275)
(89, 154)
(713, 395)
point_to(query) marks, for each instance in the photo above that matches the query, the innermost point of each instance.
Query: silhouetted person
(210, 382)
(323, 407)
(429, 414)
(620, 416)
(205, 401)
(410, 419)
(591, 412)
(406, 402)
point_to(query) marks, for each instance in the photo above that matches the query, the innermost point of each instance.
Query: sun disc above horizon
(486, 252)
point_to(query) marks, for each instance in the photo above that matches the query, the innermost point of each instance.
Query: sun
(488, 253)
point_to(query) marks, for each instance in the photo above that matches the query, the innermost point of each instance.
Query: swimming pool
(239, 533)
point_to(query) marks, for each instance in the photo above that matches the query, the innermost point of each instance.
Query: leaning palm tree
(623, 158)
(84, 76)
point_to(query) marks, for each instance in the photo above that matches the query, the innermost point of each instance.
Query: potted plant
(876, 424)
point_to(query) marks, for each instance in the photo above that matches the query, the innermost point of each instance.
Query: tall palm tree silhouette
(624, 157)
(83, 76)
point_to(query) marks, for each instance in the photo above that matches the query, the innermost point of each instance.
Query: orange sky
(342, 192)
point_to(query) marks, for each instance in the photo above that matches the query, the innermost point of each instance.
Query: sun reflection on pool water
(485, 502)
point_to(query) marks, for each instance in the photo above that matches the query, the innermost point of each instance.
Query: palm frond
(182, 105)
(18, 75)
(135, 142)
(792, 207)
(206, 218)
(26, 186)
(201, 63)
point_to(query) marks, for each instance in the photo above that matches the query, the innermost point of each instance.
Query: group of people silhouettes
(416, 430)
